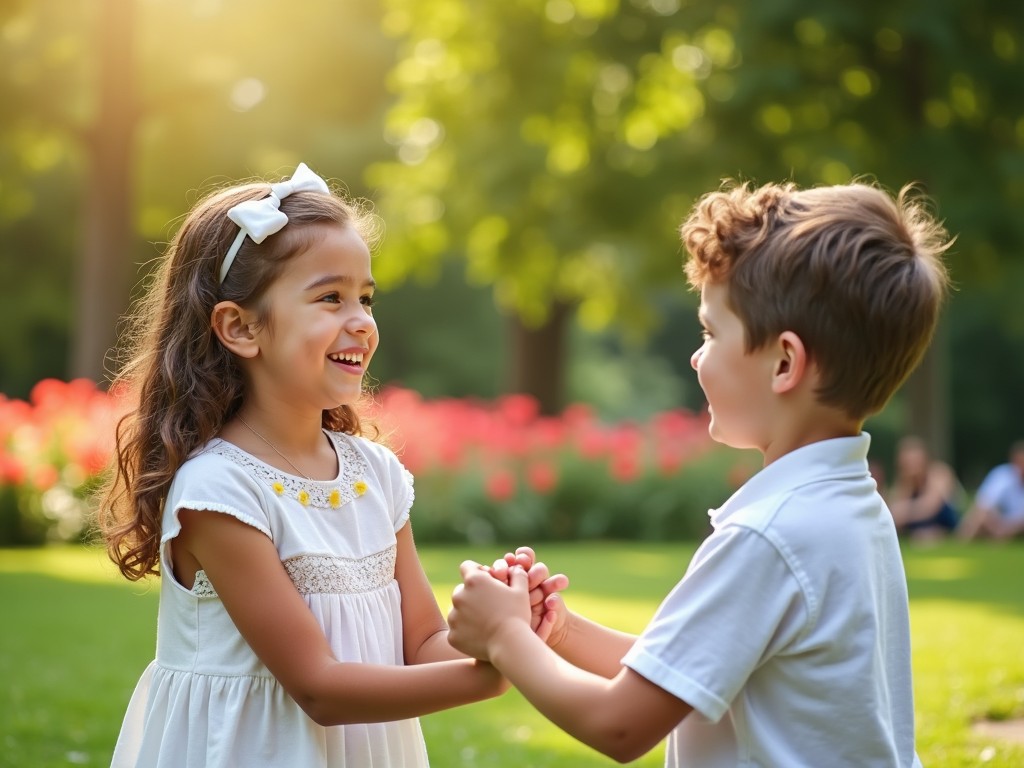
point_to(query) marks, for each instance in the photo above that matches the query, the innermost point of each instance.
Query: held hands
(547, 611)
(514, 590)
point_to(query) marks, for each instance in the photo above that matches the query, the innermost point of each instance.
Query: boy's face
(737, 385)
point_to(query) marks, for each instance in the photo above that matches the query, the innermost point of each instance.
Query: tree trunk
(928, 402)
(104, 279)
(927, 389)
(539, 358)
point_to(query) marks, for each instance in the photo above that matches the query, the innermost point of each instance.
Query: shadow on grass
(981, 573)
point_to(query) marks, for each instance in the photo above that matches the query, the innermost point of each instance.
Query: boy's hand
(482, 605)
(548, 613)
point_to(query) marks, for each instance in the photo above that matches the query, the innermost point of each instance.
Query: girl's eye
(332, 298)
(367, 301)
(705, 335)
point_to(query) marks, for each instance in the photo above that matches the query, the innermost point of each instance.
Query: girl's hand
(482, 607)
(548, 613)
(494, 683)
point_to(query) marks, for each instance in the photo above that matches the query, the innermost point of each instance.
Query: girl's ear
(234, 328)
(791, 364)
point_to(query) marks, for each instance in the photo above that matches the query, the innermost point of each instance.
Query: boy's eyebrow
(331, 279)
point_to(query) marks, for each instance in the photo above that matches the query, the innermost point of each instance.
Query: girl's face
(321, 334)
(737, 385)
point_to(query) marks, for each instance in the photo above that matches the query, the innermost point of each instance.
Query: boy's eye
(332, 298)
(705, 334)
(367, 301)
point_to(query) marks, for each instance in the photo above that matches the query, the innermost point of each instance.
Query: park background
(531, 161)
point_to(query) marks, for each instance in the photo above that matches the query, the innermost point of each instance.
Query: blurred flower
(482, 469)
(541, 477)
(500, 485)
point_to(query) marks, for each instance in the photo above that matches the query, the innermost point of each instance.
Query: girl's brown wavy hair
(185, 383)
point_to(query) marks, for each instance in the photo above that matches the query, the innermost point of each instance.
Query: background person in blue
(998, 508)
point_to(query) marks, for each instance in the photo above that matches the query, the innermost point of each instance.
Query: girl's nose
(362, 322)
(695, 357)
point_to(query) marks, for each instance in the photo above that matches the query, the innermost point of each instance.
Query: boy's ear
(234, 328)
(791, 364)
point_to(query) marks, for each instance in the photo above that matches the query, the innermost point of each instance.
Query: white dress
(207, 701)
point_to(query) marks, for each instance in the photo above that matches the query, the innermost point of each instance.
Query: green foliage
(550, 147)
(226, 90)
(587, 502)
(553, 147)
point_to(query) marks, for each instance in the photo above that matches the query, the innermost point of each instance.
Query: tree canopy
(547, 148)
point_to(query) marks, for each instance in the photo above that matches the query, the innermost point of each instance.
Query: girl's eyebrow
(332, 279)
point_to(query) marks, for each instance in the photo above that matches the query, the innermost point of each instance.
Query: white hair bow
(259, 219)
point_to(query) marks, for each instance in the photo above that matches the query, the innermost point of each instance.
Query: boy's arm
(589, 645)
(622, 715)
(582, 642)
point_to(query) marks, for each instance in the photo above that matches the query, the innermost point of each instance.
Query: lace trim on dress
(202, 586)
(323, 494)
(327, 575)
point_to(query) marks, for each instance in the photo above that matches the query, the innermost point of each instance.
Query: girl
(296, 625)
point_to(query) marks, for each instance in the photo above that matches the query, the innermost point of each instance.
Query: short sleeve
(737, 605)
(992, 488)
(213, 483)
(395, 480)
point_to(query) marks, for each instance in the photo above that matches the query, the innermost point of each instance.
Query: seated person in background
(922, 499)
(998, 509)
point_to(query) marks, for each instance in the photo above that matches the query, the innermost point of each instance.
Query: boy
(786, 643)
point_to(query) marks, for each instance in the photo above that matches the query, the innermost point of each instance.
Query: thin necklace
(261, 437)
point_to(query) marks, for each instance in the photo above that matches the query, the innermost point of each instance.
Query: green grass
(74, 639)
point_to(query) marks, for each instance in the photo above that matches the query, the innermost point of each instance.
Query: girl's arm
(424, 631)
(244, 567)
(623, 717)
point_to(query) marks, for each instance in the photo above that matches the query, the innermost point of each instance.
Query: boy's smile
(737, 384)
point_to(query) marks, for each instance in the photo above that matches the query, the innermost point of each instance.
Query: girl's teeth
(348, 358)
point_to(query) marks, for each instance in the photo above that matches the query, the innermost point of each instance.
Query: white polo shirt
(1003, 490)
(789, 633)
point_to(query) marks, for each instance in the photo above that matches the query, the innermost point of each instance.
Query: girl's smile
(350, 359)
(321, 334)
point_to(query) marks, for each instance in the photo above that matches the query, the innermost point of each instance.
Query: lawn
(75, 638)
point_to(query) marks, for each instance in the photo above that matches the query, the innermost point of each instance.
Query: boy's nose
(695, 357)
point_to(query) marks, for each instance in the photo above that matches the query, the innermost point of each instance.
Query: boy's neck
(827, 426)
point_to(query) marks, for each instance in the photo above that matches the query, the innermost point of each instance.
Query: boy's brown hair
(856, 274)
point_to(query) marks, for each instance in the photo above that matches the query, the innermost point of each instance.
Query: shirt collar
(840, 457)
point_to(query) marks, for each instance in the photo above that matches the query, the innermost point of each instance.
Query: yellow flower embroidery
(359, 487)
(303, 498)
(278, 488)
(335, 498)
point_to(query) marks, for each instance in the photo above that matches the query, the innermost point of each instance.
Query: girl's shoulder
(385, 472)
(218, 463)
(378, 455)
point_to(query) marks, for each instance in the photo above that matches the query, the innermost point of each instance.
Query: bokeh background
(531, 160)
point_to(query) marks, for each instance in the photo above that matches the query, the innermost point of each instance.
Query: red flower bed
(484, 470)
